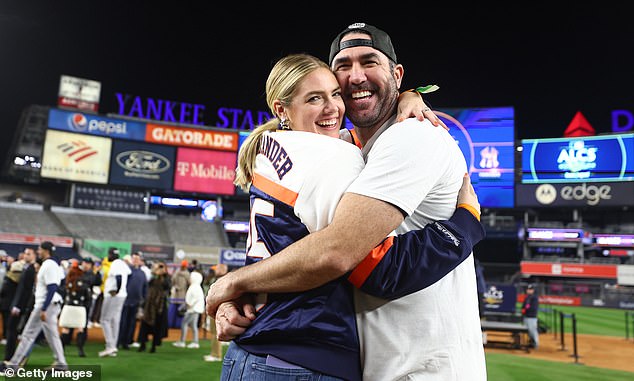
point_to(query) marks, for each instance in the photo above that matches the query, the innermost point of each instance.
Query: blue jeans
(239, 364)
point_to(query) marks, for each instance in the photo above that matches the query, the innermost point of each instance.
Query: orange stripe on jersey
(363, 269)
(357, 142)
(273, 189)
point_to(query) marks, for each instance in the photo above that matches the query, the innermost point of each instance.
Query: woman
(78, 296)
(154, 320)
(295, 179)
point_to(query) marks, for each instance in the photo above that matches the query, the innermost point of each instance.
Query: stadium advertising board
(575, 195)
(580, 159)
(568, 270)
(486, 137)
(233, 257)
(205, 171)
(76, 157)
(203, 254)
(163, 253)
(143, 165)
(79, 93)
(191, 137)
(499, 298)
(100, 248)
(85, 123)
(547, 234)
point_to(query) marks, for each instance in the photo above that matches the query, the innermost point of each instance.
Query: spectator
(180, 281)
(216, 346)
(78, 294)
(22, 303)
(115, 292)
(137, 291)
(154, 319)
(9, 287)
(195, 301)
(530, 308)
(45, 311)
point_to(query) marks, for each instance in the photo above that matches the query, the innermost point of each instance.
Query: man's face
(29, 256)
(369, 87)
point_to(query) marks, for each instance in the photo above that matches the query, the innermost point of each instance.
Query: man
(412, 176)
(21, 304)
(530, 308)
(115, 292)
(45, 312)
(137, 291)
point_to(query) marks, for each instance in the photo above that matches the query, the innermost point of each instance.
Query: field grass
(592, 321)
(171, 363)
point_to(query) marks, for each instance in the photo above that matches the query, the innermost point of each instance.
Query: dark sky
(547, 64)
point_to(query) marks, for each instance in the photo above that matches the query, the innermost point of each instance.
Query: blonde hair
(283, 80)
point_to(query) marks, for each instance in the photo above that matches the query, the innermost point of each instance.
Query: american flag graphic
(77, 150)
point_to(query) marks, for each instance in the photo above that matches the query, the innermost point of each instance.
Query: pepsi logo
(78, 122)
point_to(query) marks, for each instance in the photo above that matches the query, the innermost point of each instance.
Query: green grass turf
(506, 367)
(170, 363)
(593, 321)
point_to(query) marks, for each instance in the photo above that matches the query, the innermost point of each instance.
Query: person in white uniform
(45, 311)
(113, 299)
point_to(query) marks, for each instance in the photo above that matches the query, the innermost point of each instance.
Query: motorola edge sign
(580, 194)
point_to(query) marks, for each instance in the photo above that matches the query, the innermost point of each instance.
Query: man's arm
(412, 261)
(360, 223)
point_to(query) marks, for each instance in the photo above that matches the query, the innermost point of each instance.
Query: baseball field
(603, 353)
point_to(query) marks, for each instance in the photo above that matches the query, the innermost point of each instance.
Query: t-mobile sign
(205, 171)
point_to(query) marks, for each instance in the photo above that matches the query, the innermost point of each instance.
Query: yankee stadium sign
(188, 113)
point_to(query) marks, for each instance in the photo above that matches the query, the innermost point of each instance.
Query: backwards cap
(379, 40)
(48, 245)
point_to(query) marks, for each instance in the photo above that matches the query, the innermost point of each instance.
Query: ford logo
(143, 162)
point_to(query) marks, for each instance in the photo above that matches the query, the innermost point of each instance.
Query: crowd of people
(49, 301)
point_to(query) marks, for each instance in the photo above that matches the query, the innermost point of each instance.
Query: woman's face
(317, 105)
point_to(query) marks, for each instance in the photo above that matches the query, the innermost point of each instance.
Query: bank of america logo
(77, 150)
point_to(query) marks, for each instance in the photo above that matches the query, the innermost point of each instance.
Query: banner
(203, 254)
(79, 93)
(568, 270)
(76, 157)
(143, 165)
(85, 123)
(233, 257)
(191, 137)
(575, 195)
(500, 298)
(164, 253)
(100, 248)
(205, 171)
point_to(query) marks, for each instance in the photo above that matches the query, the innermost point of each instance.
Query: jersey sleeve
(412, 261)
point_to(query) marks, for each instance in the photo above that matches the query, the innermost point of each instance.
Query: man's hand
(233, 318)
(112, 292)
(43, 315)
(15, 311)
(467, 194)
(222, 290)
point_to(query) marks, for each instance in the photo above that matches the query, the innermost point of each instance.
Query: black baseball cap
(48, 245)
(530, 286)
(379, 40)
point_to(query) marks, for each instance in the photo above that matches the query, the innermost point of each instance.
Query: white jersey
(117, 267)
(313, 187)
(49, 273)
(435, 333)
